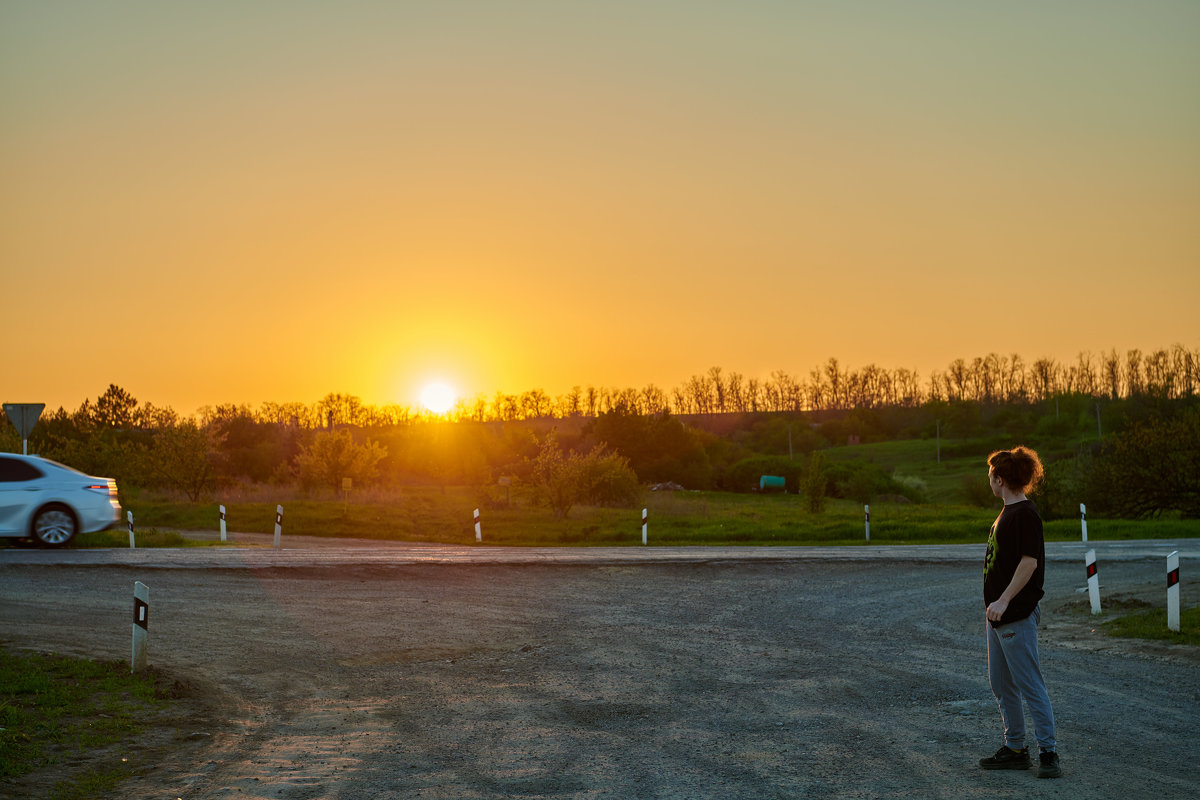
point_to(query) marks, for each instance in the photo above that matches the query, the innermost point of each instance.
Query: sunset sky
(239, 202)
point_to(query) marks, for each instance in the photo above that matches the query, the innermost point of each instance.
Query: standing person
(1013, 573)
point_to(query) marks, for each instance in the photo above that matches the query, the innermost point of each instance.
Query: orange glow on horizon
(271, 206)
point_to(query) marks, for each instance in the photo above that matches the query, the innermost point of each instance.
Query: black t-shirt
(1016, 532)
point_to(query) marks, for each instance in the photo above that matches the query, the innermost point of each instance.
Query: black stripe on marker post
(141, 613)
(1092, 569)
(1172, 577)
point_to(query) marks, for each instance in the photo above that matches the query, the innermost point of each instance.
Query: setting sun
(438, 398)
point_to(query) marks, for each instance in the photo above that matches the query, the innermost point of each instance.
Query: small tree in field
(181, 458)
(335, 455)
(561, 481)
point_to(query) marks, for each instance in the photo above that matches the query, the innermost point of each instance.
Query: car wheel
(54, 526)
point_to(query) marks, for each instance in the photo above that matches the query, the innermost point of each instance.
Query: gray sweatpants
(1014, 673)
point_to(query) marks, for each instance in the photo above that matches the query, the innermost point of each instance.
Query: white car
(45, 501)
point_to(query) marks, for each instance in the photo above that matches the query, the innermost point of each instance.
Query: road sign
(24, 416)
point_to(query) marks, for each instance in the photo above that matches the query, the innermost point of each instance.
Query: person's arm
(1024, 572)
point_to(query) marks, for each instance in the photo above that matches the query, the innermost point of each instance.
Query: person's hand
(996, 610)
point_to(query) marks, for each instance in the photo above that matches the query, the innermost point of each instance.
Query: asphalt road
(255, 551)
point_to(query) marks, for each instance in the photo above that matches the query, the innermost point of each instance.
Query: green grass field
(675, 518)
(430, 514)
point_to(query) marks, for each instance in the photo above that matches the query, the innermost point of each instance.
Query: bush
(335, 455)
(561, 481)
(860, 481)
(1150, 468)
(609, 480)
(1063, 489)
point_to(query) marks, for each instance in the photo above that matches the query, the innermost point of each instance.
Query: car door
(19, 492)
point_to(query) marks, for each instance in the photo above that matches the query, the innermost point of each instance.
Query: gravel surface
(779, 680)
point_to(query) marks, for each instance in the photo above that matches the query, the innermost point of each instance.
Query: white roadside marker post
(478, 528)
(141, 624)
(1173, 591)
(1093, 580)
(278, 525)
(222, 523)
(867, 511)
(645, 517)
(129, 517)
(1083, 519)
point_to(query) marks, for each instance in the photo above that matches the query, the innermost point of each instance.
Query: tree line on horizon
(720, 431)
(1166, 373)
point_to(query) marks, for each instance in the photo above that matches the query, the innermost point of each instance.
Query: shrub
(562, 480)
(1062, 490)
(1150, 468)
(334, 455)
(860, 481)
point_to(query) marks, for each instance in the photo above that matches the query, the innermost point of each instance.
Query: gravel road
(776, 680)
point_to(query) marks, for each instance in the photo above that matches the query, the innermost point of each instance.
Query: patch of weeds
(54, 707)
(1151, 623)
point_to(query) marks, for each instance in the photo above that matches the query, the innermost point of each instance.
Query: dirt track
(777, 680)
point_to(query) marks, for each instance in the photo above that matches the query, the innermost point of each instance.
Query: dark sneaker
(1007, 758)
(1048, 765)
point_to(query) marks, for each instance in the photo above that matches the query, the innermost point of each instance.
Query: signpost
(24, 416)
